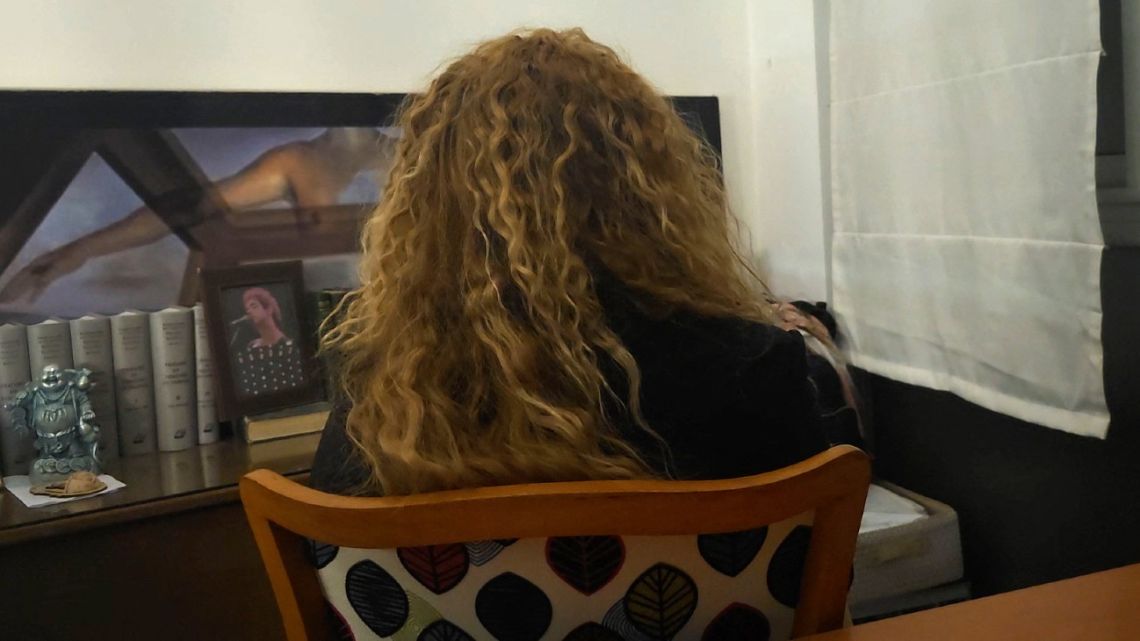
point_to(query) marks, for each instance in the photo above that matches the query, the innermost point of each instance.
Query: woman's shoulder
(738, 339)
(730, 337)
(337, 468)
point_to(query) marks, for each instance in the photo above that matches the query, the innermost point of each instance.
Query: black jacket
(729, 397)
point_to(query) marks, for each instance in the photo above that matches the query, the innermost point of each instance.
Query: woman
(551, 291)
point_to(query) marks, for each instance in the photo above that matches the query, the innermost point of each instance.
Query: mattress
(907, 543)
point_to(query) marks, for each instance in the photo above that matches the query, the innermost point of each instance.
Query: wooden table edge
(142, 510)
(1074, 597)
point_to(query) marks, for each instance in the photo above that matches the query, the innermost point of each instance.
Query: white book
(180, 472)
(213, 466)
(134, 382)
(49, 343)
(91, 348)
(175, 392)
(16, 451)
(207, 410)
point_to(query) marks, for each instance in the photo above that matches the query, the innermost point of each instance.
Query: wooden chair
(829, 488)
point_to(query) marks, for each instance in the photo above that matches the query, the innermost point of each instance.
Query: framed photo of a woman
(263, 355)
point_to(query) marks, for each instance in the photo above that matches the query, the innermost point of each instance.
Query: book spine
(180, 473)
(314, 306)
(16, 451)
(91, 348)
(134, 382)
(213, 467)
(329, 360)
(175, 394)
(320, 314)
(204, 381)
(49, 343)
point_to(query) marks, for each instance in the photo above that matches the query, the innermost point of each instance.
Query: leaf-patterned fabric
(711, 587)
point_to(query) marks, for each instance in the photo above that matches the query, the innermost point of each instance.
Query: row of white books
(152, 374)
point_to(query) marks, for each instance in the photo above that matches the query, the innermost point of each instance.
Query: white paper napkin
(21, 487)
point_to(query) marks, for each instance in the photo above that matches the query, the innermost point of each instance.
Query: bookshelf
(170, 552)
(160, 483)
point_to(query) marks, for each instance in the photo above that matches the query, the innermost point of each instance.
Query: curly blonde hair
(470, 354)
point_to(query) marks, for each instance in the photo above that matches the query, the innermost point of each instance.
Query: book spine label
(16, 451)
(175, 394)
(134, 382)
(91, 348)
(49, 343)
(207, 411)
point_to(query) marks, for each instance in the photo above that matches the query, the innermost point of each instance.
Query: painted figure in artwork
(59, 414)
(303, 174)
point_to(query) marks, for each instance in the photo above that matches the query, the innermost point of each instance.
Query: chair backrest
(576, 561)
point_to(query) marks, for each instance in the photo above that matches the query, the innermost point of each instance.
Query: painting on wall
(118, 199)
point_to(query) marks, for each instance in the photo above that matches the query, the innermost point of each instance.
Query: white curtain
(966, 245)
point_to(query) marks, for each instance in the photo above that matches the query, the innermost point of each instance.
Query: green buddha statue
(58, 413)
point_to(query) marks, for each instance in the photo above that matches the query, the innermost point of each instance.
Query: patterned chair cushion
(709, 587)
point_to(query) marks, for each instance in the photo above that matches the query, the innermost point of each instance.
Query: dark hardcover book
(294, 421)
(316, 310)
(331, 312)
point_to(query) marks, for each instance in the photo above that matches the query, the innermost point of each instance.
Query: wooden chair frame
(833, 484)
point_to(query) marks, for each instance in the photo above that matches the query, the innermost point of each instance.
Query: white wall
(785, 176)
(756, 55)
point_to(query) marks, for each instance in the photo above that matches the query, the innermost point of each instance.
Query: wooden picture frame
(253, 374)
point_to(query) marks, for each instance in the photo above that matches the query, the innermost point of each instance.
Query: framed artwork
(117, 199)
(264, 358)
(123, 197)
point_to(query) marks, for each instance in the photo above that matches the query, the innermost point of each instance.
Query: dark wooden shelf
(158, 484)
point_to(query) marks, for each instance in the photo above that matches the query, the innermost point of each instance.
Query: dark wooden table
(169, 556)
(1099, 607)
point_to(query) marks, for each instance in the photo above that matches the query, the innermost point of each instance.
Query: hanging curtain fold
(966, 244)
